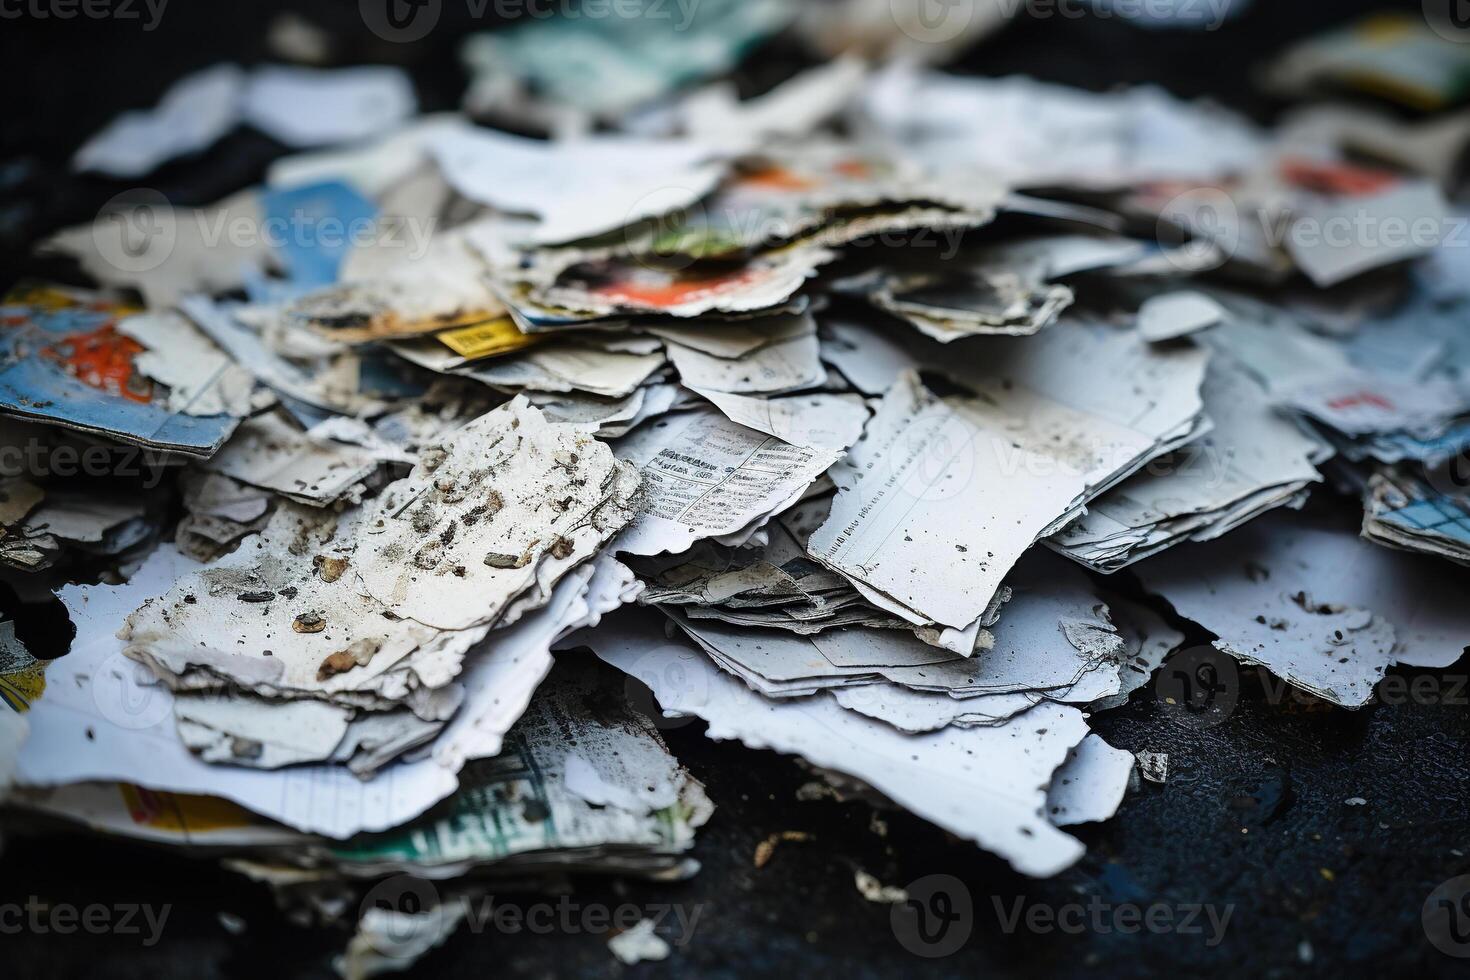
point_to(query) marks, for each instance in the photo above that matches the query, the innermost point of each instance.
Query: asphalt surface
(1249, 856)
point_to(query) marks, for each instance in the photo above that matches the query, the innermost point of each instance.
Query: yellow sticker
(22, 676)
(1385, 28)
(20, 689)
(182, 813)
(495, 337)
(62, 298)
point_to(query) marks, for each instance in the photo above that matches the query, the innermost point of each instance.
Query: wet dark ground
(1252, 818)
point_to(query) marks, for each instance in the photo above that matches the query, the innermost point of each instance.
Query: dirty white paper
(1317, 606)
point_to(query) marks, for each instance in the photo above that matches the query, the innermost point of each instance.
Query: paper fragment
(933, 508)
(99, 691)
(495, 514)
(1318, 607)
(707, 477)
(638, 944)
(1089, 786)
(267, 452)
(939, 776)
(1170, 316)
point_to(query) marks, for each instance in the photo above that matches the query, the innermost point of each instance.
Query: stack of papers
(1252, 461)
(1404, 510)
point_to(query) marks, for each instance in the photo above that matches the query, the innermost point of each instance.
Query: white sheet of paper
(1169, 316)
(578, 188)
(102, 718)
(196, 111)
(1089, 787)
(984, 784)
(305, 107)
(817, 421)
(932, 509)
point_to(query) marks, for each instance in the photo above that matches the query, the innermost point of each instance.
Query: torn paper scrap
(638, 944)
(983, 784)
(201, 379)
(298, 106)
(1148, 640)
(1170, 316)
(1319, 607)
(106, 718)
(496, 513)
(815, 421)
(268, 452)
(193, 114)
(601, 288)
(1035, 134)
(166, 252)
(578, 189)
(705, 476)
(787, 358)
(1404, 511)
(67, 363)
(1090, 785)
(934, 508)
(284, 617)
(1254, 459)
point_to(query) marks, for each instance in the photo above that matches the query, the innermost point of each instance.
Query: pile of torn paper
(828, 434)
